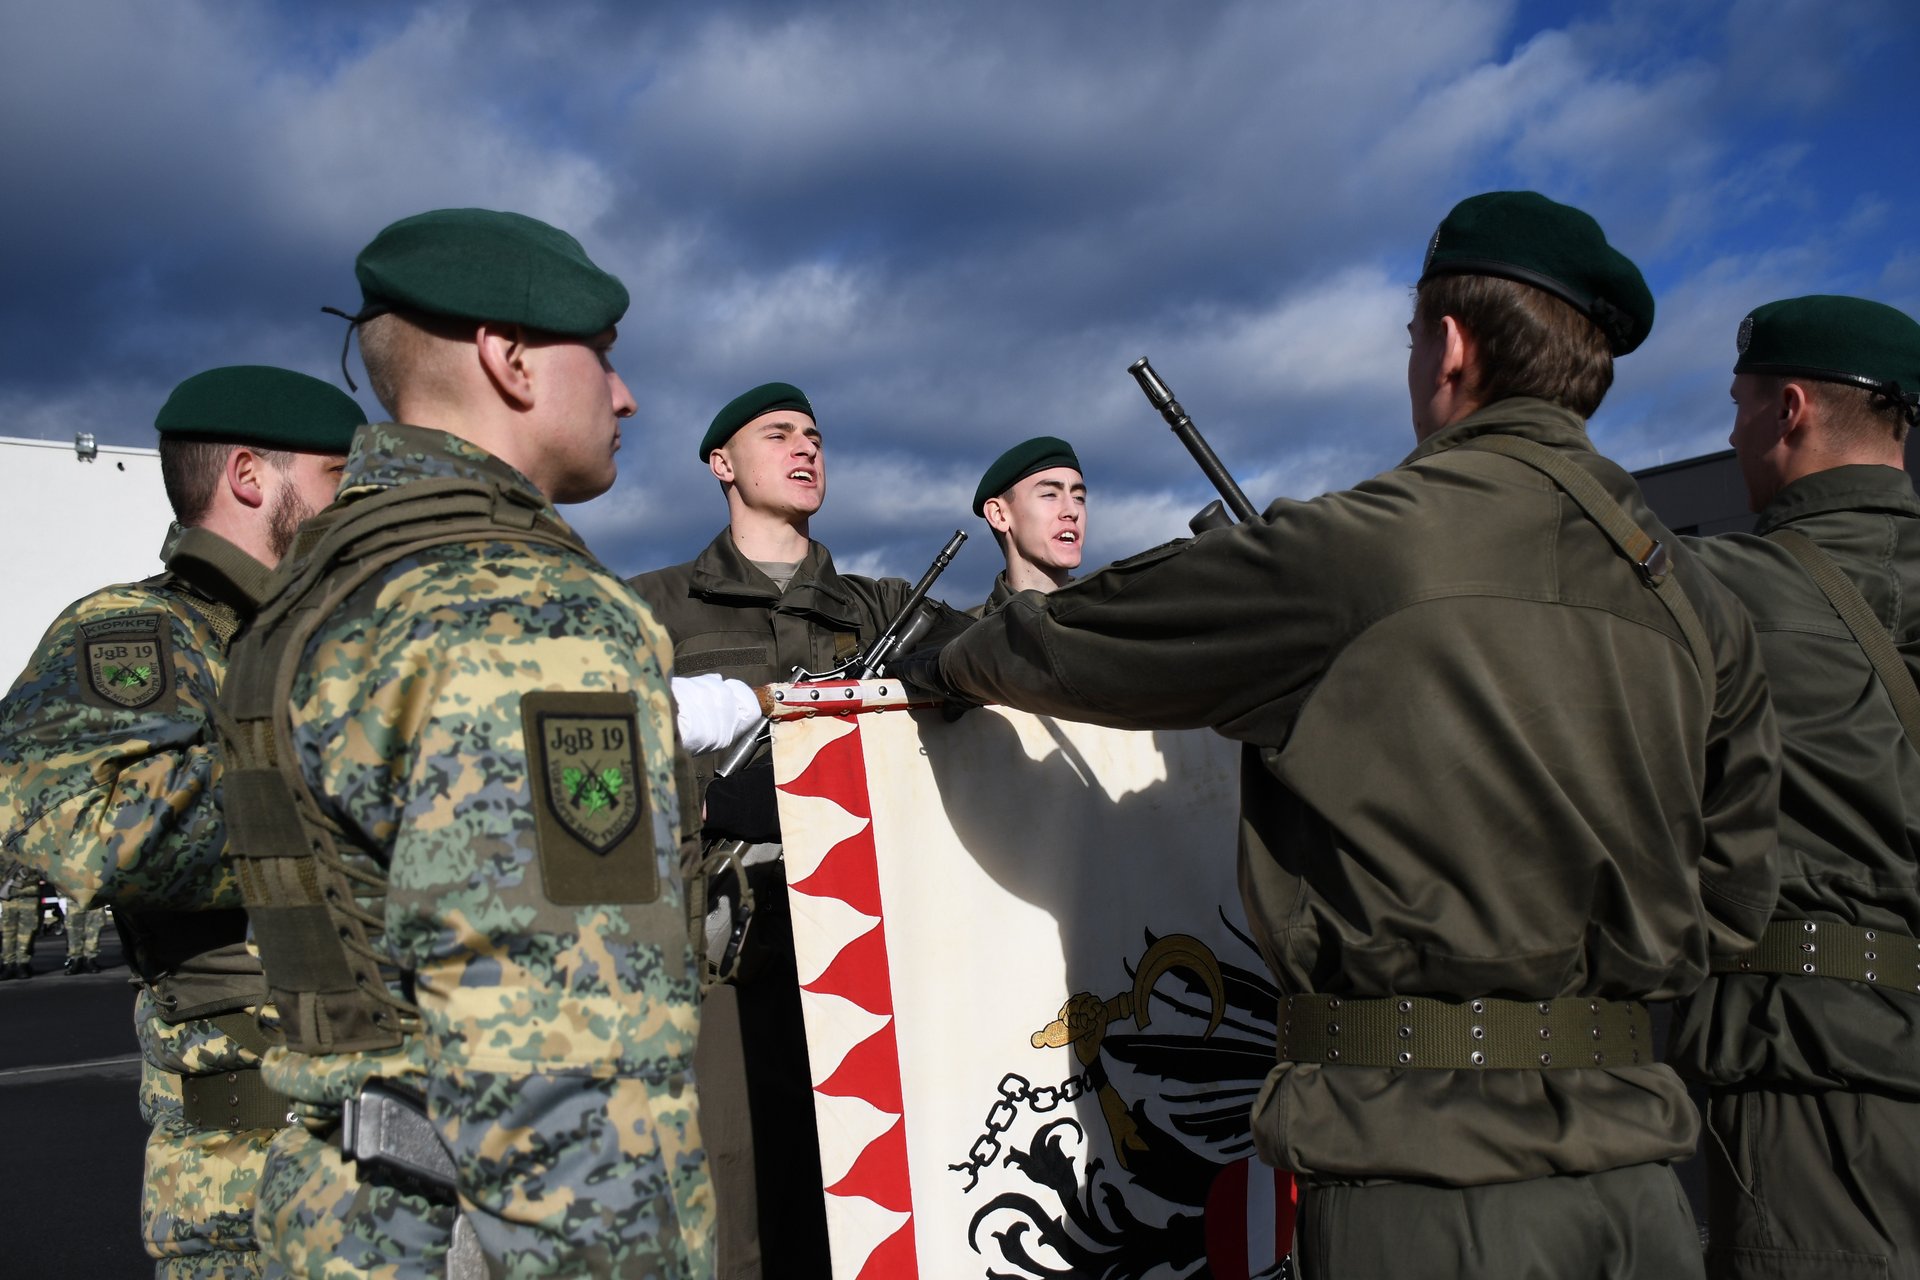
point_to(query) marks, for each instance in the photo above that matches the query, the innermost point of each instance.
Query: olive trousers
(1812, 1184)
(1624, 1224)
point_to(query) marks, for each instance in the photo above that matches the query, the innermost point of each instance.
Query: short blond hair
(408, 355)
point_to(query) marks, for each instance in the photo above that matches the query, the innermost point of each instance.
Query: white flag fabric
(1035, 1019)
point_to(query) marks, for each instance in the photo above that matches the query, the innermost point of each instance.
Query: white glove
(713, 711)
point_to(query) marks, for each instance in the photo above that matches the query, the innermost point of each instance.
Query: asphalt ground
(71, 1140)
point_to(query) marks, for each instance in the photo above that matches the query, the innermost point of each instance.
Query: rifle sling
(1649, 556)
(1867, 629)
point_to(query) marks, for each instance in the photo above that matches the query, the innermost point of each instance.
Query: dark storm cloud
(954, 225)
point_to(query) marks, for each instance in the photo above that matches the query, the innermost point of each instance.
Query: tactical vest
(317, 917)
(195, 962)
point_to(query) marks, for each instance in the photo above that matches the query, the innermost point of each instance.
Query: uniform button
(1333, 1028)
(1333, 1055)
(1544, 1007)
(1479, 1006)
(1872, 976)
(1479, 1058)
(1546, 1033)
(1405, 1057)
(1478, 1033)
(1546, 1059)
(1406, 1006)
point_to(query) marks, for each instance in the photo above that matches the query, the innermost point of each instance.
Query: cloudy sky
(953, 224)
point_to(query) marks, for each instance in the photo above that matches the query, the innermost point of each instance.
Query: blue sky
(954, 225)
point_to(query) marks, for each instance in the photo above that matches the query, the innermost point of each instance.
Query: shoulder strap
(1867, 630)
(1650, 557)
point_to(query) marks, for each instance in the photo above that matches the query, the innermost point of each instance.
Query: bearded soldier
(1034, 499)
(110, 786)
(1811, 1042)
(452, 792)
(1509, 774)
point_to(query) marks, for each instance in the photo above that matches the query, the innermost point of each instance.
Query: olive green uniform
(115, 798)
(996, 599)
(725, 615)
(1815, 1162)
(1480, 763)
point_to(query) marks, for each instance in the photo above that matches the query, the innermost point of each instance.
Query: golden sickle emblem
(1084, 1019)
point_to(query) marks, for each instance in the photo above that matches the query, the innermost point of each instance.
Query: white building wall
(67, 528)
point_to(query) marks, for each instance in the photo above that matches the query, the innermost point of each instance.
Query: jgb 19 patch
(594, 817)
(125, 664)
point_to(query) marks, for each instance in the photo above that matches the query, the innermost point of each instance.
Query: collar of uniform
(723, 572)
(216, 568)
(1523, 416)
(386, 454)
(1852, 488)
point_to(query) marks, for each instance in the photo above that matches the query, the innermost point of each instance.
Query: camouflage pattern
(121, 806)
(83, 932)
(19, 920)
(556, 1042)
(317, 1221)
(118, 806)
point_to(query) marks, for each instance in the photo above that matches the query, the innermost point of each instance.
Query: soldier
(1504, 782)
(761, 600)
(109, 785)
(1035, 500)
(83, 938)
(1811, 1043)
(452, 790)
(19, 918)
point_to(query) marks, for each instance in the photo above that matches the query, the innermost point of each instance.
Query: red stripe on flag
(870, 1072)
(859, 973)
(837, 773)
(894, 1258)
(873, 1174)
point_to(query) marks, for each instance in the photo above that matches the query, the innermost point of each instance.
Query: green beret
(747, 406)
(1835, 339)
(1523, 236)
(479, 264)
(1019, 462)
(260, 405)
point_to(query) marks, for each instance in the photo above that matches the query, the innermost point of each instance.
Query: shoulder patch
(593, 815)
(126, 663)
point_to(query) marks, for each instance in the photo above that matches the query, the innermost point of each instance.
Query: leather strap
(1478, 1034)
(1867, 629)
(1649, 556)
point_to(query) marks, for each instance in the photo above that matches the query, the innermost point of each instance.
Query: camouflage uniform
(554, 1039)
(19, 914)
(83, 933)
(116, 800)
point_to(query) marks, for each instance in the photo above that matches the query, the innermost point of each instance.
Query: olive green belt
(1821, 949)
(237, 1099)
(1445, 1035)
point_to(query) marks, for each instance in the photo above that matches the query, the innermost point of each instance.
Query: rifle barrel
(1162, 399)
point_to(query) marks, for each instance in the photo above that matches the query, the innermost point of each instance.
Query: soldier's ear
(1794, 408)
(998, 518)
(246, 476)
(721, 465)
(505, 356)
